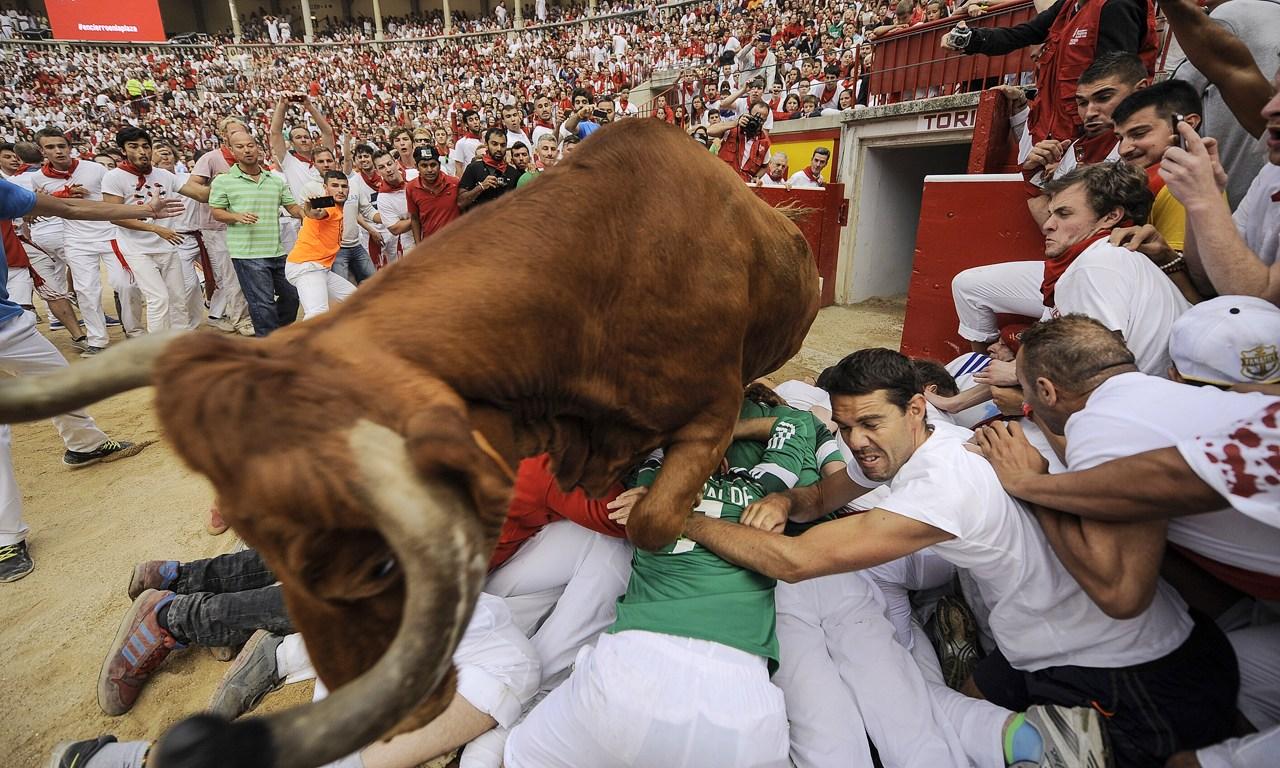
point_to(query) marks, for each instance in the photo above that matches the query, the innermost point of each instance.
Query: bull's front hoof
(208, 741)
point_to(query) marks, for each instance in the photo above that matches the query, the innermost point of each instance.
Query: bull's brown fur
(617, 304)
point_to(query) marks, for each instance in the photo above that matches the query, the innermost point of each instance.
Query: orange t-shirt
(319, 239)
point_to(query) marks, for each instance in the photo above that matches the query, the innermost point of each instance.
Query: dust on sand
(89, 527)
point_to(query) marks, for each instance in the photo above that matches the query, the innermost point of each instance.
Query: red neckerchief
(1054, 268)
(385, 186)
(499, 167)
(815, 178)
(300, 158)
(1275, 197)
(48, 170)
(469, 135)
(623, 104)
(1154, 182)
(760, 57)
(23, 169)
(129, 167)
(829, 92)
(371, 180)
(230, 158)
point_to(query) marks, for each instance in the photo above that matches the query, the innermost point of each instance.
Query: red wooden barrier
(955, 234)
(821, 228)
(912, 64)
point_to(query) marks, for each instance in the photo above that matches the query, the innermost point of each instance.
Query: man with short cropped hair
(546, 157)
(464, 150)
(309, 265)
(811, 177)
(513, 122)
(393, 205)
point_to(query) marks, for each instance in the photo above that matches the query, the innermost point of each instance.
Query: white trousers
(86, 270)
(317, 286)
(1258, 750)
(896, 579)
(1011, 288)
(1258, 652)
(842, 666)
(647, 700)
(498, 670)
(159, 278)
(289, 229)
(24, 352)
(21, 287)
(562, 587)
(228, 300)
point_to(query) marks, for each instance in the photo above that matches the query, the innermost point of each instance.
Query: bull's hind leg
(691, 457)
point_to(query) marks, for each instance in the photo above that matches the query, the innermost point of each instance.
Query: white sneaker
(1073, 736)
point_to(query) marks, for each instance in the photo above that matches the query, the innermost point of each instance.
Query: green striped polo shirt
(235, 192)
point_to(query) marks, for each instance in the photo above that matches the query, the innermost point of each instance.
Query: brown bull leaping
(618, 304)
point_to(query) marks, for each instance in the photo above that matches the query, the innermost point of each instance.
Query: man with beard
(490, 177)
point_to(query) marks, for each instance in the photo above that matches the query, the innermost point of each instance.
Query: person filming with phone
(310, 264)
(489, 177)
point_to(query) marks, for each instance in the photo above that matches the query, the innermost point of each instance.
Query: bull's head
(375, 506)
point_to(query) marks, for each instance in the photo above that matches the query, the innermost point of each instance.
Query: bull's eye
(385, 568)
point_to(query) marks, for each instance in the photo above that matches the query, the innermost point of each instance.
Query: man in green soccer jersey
(682, 676)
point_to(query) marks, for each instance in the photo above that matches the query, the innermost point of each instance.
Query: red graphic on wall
(113, 20)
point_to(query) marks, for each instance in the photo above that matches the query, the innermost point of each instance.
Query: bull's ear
(443, 445)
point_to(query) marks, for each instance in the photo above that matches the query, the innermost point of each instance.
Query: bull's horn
(431, 531)
(119, 369)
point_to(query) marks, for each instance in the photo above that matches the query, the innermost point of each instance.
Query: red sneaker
(140, 647)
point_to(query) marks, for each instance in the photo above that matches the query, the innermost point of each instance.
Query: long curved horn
(433, 532)
(119, 369)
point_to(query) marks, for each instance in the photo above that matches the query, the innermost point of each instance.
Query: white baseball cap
(1228, 340)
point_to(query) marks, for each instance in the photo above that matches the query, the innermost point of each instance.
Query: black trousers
(1185, 700)
(223, 600)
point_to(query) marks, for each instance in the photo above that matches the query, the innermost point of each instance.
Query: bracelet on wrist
(1179, 264)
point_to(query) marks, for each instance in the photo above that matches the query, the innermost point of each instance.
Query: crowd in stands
(1084, 510)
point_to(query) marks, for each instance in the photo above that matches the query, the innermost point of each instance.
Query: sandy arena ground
(91, 526)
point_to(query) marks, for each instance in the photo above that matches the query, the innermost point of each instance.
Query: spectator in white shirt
(811, 177)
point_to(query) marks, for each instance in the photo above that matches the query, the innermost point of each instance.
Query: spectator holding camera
(586, 120)
(489, 177)
(745, 142)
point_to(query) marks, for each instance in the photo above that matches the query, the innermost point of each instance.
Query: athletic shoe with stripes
(108, 451)
(1073, 736)
(141, 645)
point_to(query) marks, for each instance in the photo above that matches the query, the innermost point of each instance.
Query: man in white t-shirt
(296, 160)
(1056, 646)
(513, 122)
(393, 204)
(87, 244)
(811, 177)
(1082, 271)
(464, 150)
(149, 249)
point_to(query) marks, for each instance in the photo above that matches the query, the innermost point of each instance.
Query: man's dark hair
(494, 132)
(49, 132)
(335, 174)
(130, 133)
(8, 147)
(1108, 186)
(931, 372)
(1124, 66)
(583, 92)
(873, 370)
(466, 115)
(518, 145)
(570, 139)
(397, 131)
(381, 153)
(1169, 97)
(762, 394)
(364, 149)
(1071, 351)
(822, 151)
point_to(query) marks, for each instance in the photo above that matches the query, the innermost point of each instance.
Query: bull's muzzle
(433, 530)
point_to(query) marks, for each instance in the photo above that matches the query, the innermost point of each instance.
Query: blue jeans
(273, 301)
(221, 601)
(353, 264)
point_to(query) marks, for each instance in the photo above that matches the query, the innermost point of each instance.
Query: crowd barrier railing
(912, 64)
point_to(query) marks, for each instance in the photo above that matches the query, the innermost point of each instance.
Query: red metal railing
(912, 64)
